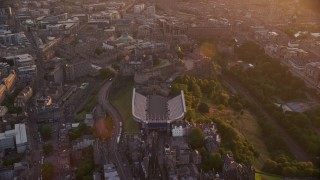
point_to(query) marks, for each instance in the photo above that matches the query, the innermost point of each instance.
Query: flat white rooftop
(21, 133)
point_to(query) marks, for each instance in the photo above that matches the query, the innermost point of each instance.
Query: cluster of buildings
(170, 155)
(4, 14)
(154, 155)
(7, 86)
(23, 97)
(80, 148)
(17, 74)
(183, 162)
(300, 57)
(266, 23)
(126, 44)
(7, 38)
(17, 71)
(212, 137)
(17, 170)
(78, 145)
(180, 160)
(103, 18)
(50, 90)
(25, 66)
(74, 39)
(234, 170)
(59, 24)
(59, 70)
(14, 139)
(76, 70)
(12, 42)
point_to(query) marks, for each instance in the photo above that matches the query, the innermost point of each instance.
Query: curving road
(103, 100)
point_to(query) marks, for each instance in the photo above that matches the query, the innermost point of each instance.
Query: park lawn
(87, 107)
(79, 116)
(162, 64)
(90, 103)
(121, 100)
(260, 176)
(248, 127)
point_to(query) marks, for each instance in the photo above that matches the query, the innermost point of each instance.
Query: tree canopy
(45, 131)
(86, 166)
(47, 148)
(269, 80)
(203, 108)
(106, 73)
(47, 170)
(212, 161)
(78, 132)
(196, 138)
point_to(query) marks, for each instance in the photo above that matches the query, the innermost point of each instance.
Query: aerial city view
(160, 89)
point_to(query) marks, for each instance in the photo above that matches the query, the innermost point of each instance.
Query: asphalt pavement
(123, 170)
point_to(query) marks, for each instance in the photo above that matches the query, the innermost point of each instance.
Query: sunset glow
(159, 89)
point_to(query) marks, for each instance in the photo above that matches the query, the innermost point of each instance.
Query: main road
(103, 100)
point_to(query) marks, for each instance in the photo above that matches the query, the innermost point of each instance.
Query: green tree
(156, 61)
(99, 51)
(47, 148)
(270, 166)
(196, 90)
(289, 171)
(116, 66)
(106, 73)
(176, 89)
(211, 161)
(190, 115)
(79, 131)
(47, 170)
(45, 132)
(84, 168)
(74, 42)
(215, 162)
(203, 108)
(45, 76)
(223, 98)
(236, 106)
(196, 138)
(11, 160)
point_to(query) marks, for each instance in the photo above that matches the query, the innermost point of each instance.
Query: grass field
(122, 101)
(161, 64)
(248, 127)
(260, 176)
(87, 107)
(90, 102)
